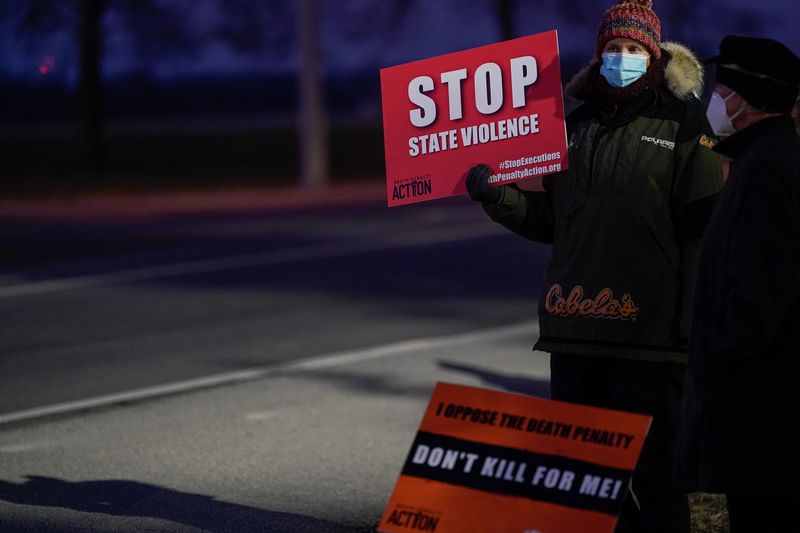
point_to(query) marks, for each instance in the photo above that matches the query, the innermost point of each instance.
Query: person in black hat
(740, 410)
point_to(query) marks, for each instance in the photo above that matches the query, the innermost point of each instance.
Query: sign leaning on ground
(492, 461)
(499, 104)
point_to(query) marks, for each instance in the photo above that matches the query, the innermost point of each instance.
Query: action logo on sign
(495, 104)
(410, 518)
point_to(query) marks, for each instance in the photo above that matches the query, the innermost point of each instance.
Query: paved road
(306, 441)
(314, 450)
(97, 307)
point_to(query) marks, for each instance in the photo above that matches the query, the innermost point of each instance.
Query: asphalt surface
(316, 312)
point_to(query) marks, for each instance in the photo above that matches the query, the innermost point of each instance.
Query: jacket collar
(683, 75)
(629, 99)
(618, 115)
(737, 143)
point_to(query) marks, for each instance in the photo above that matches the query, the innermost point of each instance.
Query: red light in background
(46, 65)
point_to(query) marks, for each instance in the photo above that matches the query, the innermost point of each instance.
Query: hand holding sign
(478, 185)
(499, 104)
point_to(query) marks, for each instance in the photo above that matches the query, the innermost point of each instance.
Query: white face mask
(717, 114)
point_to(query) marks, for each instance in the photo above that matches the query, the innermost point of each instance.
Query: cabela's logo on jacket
(604, 305)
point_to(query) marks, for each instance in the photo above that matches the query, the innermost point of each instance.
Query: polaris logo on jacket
(604, 305)
(659, 142)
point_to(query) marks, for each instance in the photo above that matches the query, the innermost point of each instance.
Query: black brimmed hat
(765, 72)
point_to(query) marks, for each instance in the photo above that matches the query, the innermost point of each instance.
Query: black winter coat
(741, 405)
(625, 221)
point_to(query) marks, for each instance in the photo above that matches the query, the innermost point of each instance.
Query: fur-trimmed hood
(683, 75)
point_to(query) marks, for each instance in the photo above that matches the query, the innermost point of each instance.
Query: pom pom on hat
(631, 19)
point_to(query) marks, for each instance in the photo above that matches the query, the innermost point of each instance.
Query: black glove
(478, 185)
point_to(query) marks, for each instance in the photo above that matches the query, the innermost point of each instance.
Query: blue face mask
(620, 70)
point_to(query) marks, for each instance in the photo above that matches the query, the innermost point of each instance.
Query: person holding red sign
(625, 222)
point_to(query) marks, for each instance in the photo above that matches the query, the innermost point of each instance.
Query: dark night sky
(357, 35)
(202, 42)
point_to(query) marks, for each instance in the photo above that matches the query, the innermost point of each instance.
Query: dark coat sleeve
(762, 278)
(696, 186)
(526, 213)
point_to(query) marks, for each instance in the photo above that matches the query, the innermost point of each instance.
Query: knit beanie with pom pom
(631, 19)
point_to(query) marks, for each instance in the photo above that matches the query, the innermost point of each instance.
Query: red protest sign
(492, 461)
(499, 104)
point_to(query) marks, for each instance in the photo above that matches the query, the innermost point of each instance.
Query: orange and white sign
(492, 461)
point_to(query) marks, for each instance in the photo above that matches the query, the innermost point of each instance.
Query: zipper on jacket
(602, 130)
